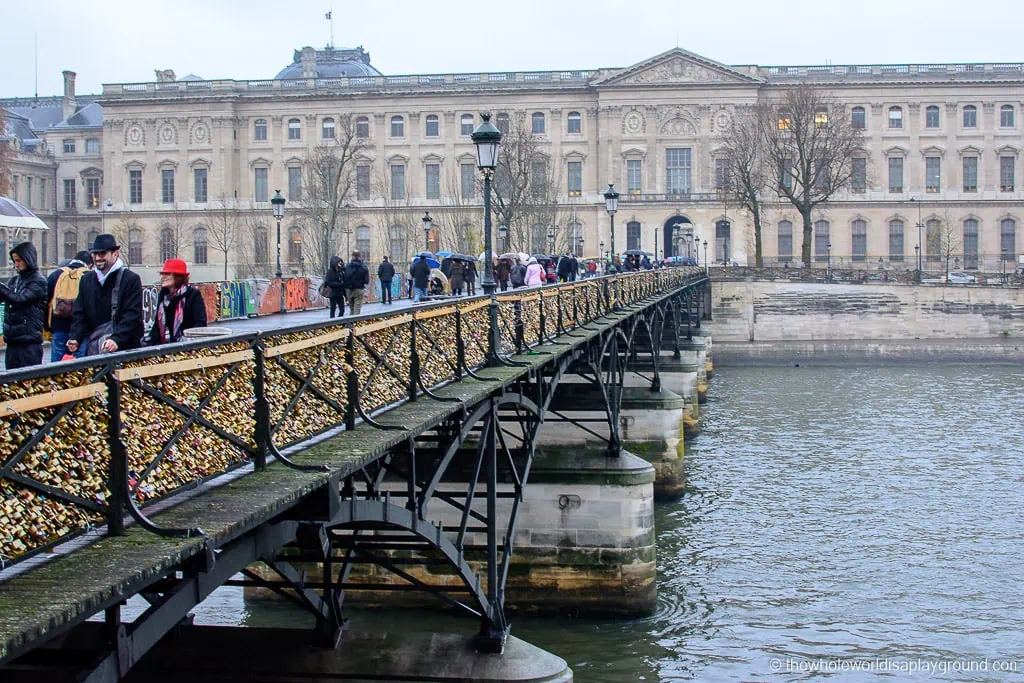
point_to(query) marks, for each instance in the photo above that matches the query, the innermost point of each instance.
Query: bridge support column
(694, 352)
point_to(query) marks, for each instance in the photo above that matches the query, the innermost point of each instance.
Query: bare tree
(399, 228)
(6, 152)
(253, 252)
(177, 230)
(224, 227)
(123, 230)
(810, 142)
(743, 146)
(329, 181)
(945, 240)
(459, 221)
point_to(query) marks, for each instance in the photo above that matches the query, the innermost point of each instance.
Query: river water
(851, 522)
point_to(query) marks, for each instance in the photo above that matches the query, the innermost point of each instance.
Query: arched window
(931, 117)
(259, 130)
(970, 116)
(362, 127)
(895, 117)
(1006, 116)
(168, 249)
(134, 246)
(933, 239)
(260, 240)
(433, 126)
(1008, 239)
(397, 127)
(575, 235)
(327, 129)
(970, 243)
(502, 122)
(199, 245)
(294, 245)
(537, 123)
(895, 240)
(821, 240)
(785, 241)
(90, 239)
(399, 250)
(466, 125)
(363, 242)
(821, 119)
(70, 243)
(538, 239)
(633, 235)
(574, 123)
(859, 240)
(857, 118)
(723, 246)
(294, 129)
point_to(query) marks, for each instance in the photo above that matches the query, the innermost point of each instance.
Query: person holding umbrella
(420, 278)
(502, 271)
(456, 277)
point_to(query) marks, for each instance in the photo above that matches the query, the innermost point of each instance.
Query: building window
(574, 123)
(539, 177)
(28, 194)
(723, 248)
(970, 116)
(433, 181)
(857, 118)
(785, 121)
(970, 243)
(633, 235)
(294, 129)
(135, 187)
(537, 123)
(362, 182)
(970, 174)
(92, 146)
(327, 129)
(260, 245)
(363, 242)
(785, 241)
(931, 117)
(895, 240)
(433, 126)
(199, 245)
(294, 183)
(895, 174)
(502, 123)
(895, 117)
(199, 189)
(1006, 173)
(167, 186)
(69, 194)
(294, 246)
(167, 246)
(260, 185)
(397, 127)
(134, 246)
(575, 180)
(90, 238)
(821, 240)
(859, 174)
(721, 174)
(859, 240)
(259, 130)
(398, 244)
(634, 182)
(14, 187)
(786, 174)
(677, 171)
(1005, 116)
(575, 234)
(43, 196)
(933, 239)
(69, 146)
(362, 127)
(468, 173)
(397, 181)
(821, 119)
(932, 174)
(92, 193)
(466, 125)
(538, 239)
(70, 243)
(1008, 238)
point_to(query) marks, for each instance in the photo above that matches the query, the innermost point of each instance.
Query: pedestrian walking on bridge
(25, 296)
(356, 277)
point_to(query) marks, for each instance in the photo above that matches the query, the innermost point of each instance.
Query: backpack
(65, 292)
(356, 275)
(517, 276)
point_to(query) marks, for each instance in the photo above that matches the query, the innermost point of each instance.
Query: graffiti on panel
(296, 296)
(235, 300)
(150, 294)
(211, 295)
(376, 291)
(313, 293)
(267, 294)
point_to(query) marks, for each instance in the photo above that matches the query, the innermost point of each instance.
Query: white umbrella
(14, 215)
(483, 256)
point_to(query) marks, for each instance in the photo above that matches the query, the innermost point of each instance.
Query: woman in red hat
(179, 306)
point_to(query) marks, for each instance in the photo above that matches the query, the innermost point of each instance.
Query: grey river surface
(837, 518)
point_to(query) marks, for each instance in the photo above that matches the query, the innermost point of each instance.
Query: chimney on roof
(308, 62)
(70, 103)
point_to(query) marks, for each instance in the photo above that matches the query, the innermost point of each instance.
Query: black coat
(420, 274)
(333, 278)
(386, 271)
(92, 309)
(193, 315)
(25, 296)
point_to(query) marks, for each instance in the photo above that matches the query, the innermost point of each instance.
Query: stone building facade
(943, 144)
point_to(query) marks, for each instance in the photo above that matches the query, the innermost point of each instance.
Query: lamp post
(1006, 257)
(600, 253)
(427, 223)
(277, 204)
(487, 139)
(917, 255)
(503, 236)
(611, 204)
(551, 240)
(828, 263)
(920, 248)
(706, 265)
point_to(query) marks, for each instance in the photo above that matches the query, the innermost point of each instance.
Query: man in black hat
(107, 315)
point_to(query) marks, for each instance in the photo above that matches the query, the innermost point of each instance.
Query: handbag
(102, 333)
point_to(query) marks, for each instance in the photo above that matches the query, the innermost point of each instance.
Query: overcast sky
(118, 41)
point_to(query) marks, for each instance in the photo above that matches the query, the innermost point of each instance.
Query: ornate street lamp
(428, 222)
(917, 257)
(918, 250)
(503, 236)
(611, 204)
(551, 240)
(277, 204)
(487, 139)
(706, 268)
(828, 262)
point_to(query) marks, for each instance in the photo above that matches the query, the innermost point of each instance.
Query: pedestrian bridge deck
(46, 597)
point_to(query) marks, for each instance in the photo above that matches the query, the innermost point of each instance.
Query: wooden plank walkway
(38, 604)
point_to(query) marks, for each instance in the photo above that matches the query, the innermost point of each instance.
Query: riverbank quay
(173, 418)
(841, 351)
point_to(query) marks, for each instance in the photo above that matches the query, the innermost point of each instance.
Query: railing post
(351, 382)
(262, 422)
(118, 471)
(520, 327)
(414, 361)
(460, 344)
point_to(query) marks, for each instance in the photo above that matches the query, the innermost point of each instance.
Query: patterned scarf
(176, 299)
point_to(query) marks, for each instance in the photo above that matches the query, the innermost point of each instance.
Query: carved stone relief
(677, 70)
(634, 123)
(199, 134)
(679, 126)
(134, 135)
(166, 134)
